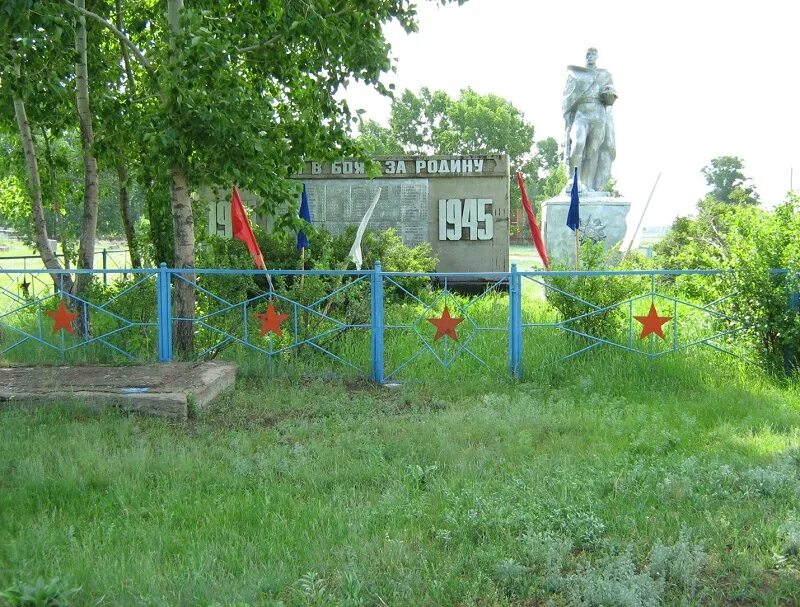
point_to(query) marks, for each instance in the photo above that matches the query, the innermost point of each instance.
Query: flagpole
(641, 218)
(574, 216)
(302, 240)
(302, 266)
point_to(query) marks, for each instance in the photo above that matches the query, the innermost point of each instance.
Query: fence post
(514, 323)
(790, 356)
(105, 266)
(376, 324)
(164, 309)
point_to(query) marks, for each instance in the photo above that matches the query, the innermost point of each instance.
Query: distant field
(15, 255)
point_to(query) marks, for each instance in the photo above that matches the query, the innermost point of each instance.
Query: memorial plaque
(337, 204)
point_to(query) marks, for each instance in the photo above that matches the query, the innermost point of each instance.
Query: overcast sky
(696, 79)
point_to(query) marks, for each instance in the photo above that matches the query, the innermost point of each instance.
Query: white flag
(355, 250)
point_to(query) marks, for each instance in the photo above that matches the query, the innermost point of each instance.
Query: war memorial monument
(460, 204)
(589, 146)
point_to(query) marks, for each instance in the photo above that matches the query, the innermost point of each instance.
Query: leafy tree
(547, 173)
(218, 99)
(36, 70)
(378, 140)
(433, 122)
(752, 243)
(761, 242)
(703, 242)
(729, 183)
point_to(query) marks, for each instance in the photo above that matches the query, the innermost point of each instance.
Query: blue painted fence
(381, 325)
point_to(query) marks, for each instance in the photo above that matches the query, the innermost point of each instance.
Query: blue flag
(305, 214)
(574, 215)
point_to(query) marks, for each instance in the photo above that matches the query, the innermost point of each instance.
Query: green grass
(525, 256)
(610, 480)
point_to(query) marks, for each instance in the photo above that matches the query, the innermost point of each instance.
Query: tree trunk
(91, 186)
(183, 230)
(63, 281)
(125, 210)
(183, 223)
(88, 230)
(59, 223)
(122, 170)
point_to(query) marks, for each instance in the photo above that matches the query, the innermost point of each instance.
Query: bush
(751, 243)
(613, 582)
(602, 291)
(326, 252)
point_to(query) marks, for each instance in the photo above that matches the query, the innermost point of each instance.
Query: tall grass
(600, 483)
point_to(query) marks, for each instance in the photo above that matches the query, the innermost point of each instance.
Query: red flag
(242, 229)
(535, 233)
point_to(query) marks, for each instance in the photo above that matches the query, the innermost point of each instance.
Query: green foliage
(729, 184)
(760, 242)
(55, 593)
(219, 100)
(14, 213)
(571, 293)
(679, 564)
(378, 140)
(750, 242)
(434, 122)
(326, 252)
(614, 581)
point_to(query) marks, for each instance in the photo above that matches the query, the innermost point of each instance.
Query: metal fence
(376, 324)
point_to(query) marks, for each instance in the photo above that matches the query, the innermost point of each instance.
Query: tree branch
(124, 51)
(122, 37)
(276, 37)
(266, 43)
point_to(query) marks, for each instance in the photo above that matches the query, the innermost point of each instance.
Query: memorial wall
(459, 204)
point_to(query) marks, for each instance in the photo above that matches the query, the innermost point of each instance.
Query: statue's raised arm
(589, 127)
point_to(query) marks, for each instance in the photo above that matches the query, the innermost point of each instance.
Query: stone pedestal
(603, 218)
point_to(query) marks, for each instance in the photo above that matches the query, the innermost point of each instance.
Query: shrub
(55, 593)
(613, 583)
(602, 291)
(679, 564)
(751, 242)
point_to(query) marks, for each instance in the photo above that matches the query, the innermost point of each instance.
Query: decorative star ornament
(271, 321)
(62, 318)
(445, 325)
(653, 323)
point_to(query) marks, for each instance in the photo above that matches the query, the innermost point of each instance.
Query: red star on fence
(652, 323)
(62, 318)
(271, 321)
(445, 325)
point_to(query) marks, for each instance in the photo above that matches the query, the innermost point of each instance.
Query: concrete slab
(163, 390)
